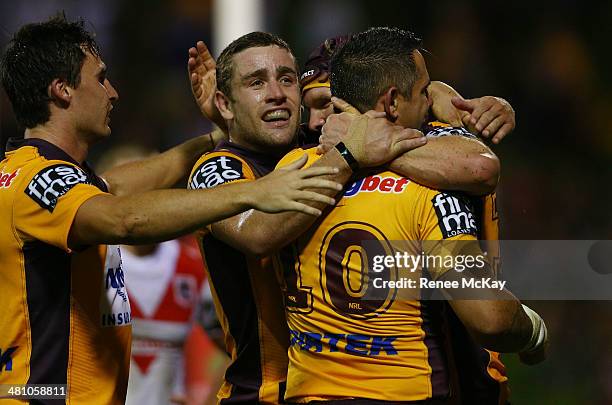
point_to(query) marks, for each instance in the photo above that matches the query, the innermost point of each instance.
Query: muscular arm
(258, 233)
(493, 316)
(451, 163)
(160, 171)
(448, 163)
(159, 215)
(499, 324)
(373, 142)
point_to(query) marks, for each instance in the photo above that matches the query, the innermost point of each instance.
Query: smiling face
(91, 100)
(263, 111)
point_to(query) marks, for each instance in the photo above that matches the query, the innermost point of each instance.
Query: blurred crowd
(550, 60)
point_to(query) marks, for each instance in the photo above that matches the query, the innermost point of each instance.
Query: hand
(442, 107)
(489, 116)
(370, 137)
(282, 189)
(202, 75)
(337, 131)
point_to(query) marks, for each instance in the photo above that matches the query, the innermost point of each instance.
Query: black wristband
(347, 156)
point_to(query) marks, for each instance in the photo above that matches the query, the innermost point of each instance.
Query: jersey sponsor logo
(6, 179)
(216, 171)
(52, 182)
(114, 301)
(455, 215)
(438, 132)
(358, 345)
(377, 183)
(6, 358)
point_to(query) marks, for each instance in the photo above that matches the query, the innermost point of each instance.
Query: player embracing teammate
(336, 350)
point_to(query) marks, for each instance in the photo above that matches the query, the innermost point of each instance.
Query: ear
(59, 92)
(390, 103)
(224, 105)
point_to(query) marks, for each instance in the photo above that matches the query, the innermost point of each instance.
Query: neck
(61, 136)
(140, 250)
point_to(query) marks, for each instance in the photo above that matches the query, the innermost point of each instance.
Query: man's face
(413, 111)
(264, 110)
(318, 101)
(92, 99)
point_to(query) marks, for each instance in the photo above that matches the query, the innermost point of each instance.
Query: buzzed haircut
(371, 62)
(225, 65)
(38, 54)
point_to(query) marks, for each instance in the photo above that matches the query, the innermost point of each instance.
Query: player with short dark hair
(65, 314)
(345, 349)
(225, 64)
(262, 116)
(480, 374)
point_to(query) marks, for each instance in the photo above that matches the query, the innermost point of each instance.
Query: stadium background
(551, 60)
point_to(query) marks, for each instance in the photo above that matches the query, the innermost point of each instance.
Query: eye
(287, 80)
(256, 83)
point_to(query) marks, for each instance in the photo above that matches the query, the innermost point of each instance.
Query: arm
(160, 171)
(493, 316)
(165, 214)
(374, 141)
(447, 163)
(447, 227)
(451, 163)
(501, 323)
(258, 233)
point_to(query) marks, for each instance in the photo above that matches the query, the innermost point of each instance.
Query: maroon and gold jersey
(246, 291)
(64, 315)
(479, 374)
(344, 345)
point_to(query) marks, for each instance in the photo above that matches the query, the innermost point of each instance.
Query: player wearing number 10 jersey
(350, 344)
(396, 346)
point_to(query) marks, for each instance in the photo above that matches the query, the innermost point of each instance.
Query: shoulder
(437, 129)
(454, 212)
(296, 153)
(219, 167)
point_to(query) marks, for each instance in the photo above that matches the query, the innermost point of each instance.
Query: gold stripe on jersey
(381, 348)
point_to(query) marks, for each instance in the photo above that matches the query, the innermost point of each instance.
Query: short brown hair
(225, 65)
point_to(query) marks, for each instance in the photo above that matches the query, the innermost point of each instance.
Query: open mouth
(277, 118)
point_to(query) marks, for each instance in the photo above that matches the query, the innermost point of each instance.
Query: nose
(110, 90)
(275, 92)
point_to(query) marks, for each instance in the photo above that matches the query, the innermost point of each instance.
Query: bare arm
(165, 214)
(258, 233)
(447, 163)
(374, 141)
(451, 163)
(504, 325)
(493, 315)
(160, 171)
